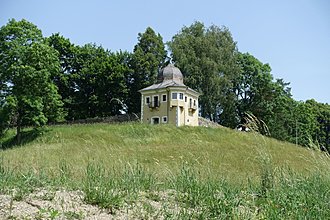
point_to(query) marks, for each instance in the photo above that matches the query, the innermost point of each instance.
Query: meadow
(164, 172)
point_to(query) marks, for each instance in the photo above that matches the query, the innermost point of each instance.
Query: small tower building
(169, 101)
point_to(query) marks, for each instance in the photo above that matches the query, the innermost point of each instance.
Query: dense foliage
(44, 80)
(149, 56)
(27, 64)
(207, 58)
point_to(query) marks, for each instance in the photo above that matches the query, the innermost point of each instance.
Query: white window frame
(180, 95)
(176, 96)
(146, 100)
(154, 99)
(164, 119)
(163, 97)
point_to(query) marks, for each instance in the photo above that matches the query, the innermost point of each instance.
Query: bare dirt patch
(63, 204)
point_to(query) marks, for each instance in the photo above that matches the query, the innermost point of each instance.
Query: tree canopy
(28, 95)
(207, 59)
(149, 56)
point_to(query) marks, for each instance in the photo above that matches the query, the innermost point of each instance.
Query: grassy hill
(162, 150)
(136, 171)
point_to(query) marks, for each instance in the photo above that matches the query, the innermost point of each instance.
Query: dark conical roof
(171, 73)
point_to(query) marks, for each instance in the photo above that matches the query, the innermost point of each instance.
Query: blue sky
(292, 36)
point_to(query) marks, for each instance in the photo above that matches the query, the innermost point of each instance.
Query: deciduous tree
(99, 78)
(64, 79)
(207, 59)
(27, 64)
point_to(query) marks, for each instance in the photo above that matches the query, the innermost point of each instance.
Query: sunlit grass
(161, 150)
(188, 172)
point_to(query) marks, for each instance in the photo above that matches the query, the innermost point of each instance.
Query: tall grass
(110, 190)
(159, 149)
(287, 195)
(189, 173)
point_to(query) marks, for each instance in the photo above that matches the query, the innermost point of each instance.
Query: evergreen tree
(149, 56)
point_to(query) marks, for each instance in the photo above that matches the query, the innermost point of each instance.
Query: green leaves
(206, 57)
(27, 64)
(101, 78)
(148, 57)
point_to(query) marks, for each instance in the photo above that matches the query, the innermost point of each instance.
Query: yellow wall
(177, 111)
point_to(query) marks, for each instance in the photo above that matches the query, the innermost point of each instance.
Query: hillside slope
(162, 150)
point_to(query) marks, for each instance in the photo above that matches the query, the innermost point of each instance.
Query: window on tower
(174, 95)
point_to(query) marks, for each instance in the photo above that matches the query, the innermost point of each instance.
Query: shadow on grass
(26, 137)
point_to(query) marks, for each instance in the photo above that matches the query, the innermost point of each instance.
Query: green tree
(64, 79)
(254, 86)
(281, 118)
(112, 89)
(207, 59)
(305, 124)
(149, 56)
(267, 99)
(99, 78)
(321, 130)
(26, 65)
(270, 101)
